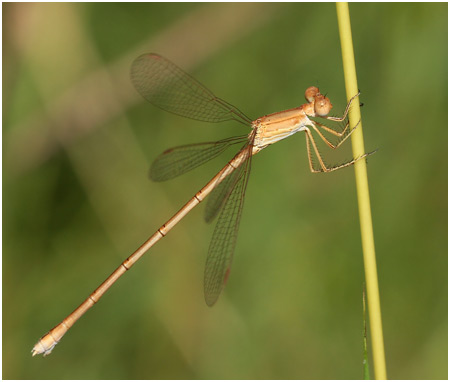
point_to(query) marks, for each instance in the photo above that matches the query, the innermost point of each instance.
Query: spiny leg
(337, 119)
(332, 131)
(324, 168)
(310, 158)
(341, 135)
(310, 142)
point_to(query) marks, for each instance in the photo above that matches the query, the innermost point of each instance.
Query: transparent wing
(178, 160)
(221, 249)
(218, 197)
(165, 85)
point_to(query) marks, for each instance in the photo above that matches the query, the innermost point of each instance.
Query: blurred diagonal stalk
(106, 93)
(103, 95)
(362, 188)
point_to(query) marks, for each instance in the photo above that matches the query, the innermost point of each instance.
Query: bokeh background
(78, 142)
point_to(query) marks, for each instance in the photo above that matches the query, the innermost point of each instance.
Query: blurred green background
(78, 142)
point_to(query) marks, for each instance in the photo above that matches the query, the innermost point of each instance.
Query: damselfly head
(322, 106)
(311, 93)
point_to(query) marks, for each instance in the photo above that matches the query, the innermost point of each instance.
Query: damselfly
(165, 85)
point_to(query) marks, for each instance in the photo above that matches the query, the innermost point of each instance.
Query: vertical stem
(362, 189)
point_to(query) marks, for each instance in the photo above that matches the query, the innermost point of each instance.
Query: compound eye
(311, 93)
(322, 106)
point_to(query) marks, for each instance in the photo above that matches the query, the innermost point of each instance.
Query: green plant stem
(362, 189)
